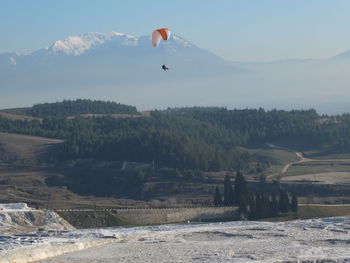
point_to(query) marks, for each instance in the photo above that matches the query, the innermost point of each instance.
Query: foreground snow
(317, 240)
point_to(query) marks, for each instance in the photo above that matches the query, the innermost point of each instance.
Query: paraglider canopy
(159, 34)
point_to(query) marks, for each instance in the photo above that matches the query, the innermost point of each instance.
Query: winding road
(286, 167)
(301, 159)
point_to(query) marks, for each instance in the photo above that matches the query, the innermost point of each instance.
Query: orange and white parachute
(159, 34)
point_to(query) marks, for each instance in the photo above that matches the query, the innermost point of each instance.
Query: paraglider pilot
(157, 36)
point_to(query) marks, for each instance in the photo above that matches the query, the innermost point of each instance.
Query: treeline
(256, 126)
(257, 205)
(80, 106)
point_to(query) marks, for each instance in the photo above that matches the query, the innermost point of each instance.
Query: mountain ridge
(79, 44)
(76, 45)
(126, 68)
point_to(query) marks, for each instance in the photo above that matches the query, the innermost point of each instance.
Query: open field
(13, 116)
(319, 171)
(273, 155)
(320, 178)
(304, 170)
(16, 148)
(329, 154)
(278, 158)
(120, 116)
(310, 167)
(311, 211)
(22, 114)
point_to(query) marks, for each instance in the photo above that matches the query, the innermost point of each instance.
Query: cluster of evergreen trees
(233, 196)
(262, 205)
(254, 206)
(80, 106)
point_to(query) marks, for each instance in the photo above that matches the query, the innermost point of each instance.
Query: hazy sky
(245, 30)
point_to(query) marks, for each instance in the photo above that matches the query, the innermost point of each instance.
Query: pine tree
(241, 194)
(252, 208)
(274, 205)
(217, 197)
(284, 204)
(258, 207)
(294, 203)
(231, 196)
(262, 183)
(227, 191)
(265, 204)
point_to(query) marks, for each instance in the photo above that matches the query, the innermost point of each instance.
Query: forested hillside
(260, 126)
(185, 138)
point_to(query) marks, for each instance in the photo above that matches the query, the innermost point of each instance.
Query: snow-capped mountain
(89, 42)
(111, 49)
(102, 65)
(77, 45)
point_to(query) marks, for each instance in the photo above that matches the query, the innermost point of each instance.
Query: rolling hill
(170, 157)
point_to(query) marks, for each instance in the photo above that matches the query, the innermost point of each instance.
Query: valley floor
(314, 240)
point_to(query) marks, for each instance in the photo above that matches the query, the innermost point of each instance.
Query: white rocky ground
(19, 218)
(317, 240)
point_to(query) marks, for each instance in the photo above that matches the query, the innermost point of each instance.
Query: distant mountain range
(127, 69)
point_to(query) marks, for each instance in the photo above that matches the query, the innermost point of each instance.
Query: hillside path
(301, 158)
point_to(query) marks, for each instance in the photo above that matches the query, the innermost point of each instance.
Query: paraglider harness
(165, 68)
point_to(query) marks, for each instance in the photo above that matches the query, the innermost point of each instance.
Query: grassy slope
(27, 149)
(18, 111)
(313, 211)
(277, 158)
(13, 116)
(324, 167)
(24, 114)
(25, 162)
(318, 164)
(310, 211)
